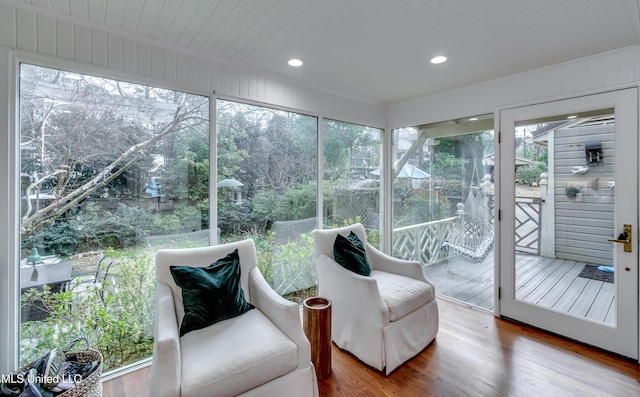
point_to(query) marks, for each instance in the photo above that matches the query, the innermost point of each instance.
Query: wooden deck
(552, 283)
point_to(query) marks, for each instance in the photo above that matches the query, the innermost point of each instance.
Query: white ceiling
(376, 50)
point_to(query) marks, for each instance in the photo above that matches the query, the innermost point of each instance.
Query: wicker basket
(91, 386)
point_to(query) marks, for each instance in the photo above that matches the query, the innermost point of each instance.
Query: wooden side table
(316, 322)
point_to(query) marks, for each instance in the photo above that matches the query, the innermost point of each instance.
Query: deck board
(585, 300)
(571, 294)
(548, 282)
(553, 296)
(542, 274)
(602, 302)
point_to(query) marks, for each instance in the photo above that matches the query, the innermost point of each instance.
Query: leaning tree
(81, 134)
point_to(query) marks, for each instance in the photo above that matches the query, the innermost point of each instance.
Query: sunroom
(135, 126)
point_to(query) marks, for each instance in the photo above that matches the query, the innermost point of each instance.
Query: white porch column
(547, 235)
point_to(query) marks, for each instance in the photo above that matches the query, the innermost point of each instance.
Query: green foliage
(343, 142)
(264, 244)
(186, 175)
(101, 229)
(183, 219)
(265, 148)
(541, 155)
(117, 318)
(419, 207)
(264, 202)
(373, 238)
(289, 268)
(530, 174)
(294, 203)
(294, 269)
(362, 202)
(448, 165)
(453, 187)
(455, 155)
(572, 191)
(60, 239)
(97, 229)
(235, 219)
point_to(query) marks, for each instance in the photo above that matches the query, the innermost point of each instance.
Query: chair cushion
(235, 355)
(350, 253)
(401, 294)
(210, 294)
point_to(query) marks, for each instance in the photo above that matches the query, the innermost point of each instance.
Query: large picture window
(109, 172)
(352, 184)
(267, 183)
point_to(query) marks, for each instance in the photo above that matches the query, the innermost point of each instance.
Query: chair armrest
(387, 263)
(348, 289)
(282, 312)
(166, 367)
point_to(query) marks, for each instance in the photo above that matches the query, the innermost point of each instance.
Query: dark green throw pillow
(210, 294)
(350, 253)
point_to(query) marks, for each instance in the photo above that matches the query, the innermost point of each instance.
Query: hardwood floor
(474, 354)
(552, 283)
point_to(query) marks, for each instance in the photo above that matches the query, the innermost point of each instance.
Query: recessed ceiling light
(439, 59)
(295, 62)
(473, 119)
(572, 117)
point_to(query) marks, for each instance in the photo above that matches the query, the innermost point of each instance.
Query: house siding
(584, 224)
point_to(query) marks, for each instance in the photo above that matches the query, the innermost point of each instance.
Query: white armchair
(383, 319)
(263, 352)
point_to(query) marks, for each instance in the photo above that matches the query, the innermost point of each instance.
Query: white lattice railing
(422, 242)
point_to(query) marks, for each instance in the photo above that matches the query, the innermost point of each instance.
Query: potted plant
(572, 191)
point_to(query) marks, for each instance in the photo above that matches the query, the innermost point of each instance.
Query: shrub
(530, 174)
(289, 268)
(61, 238)
(419, 207)
(294, 203)
(294, 269)
(236, 219)
(119, 324)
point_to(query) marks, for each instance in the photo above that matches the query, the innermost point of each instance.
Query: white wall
(597, 73)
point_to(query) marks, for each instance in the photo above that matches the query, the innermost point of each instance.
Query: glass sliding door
(109, 173)
(443, 197)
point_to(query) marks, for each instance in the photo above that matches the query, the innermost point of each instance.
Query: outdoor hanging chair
(471, 238)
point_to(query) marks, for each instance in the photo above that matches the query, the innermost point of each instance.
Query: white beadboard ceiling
(376, 50)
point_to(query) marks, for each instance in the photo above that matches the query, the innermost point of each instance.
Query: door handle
(624, 238)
